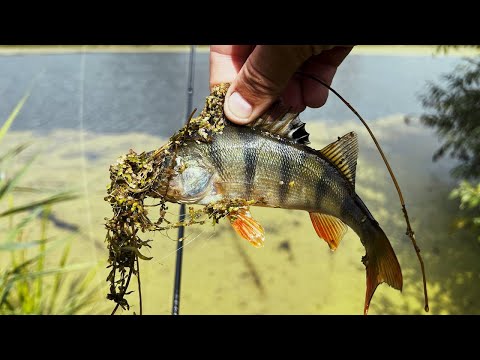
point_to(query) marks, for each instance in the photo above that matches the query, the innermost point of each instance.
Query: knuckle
(258, 83)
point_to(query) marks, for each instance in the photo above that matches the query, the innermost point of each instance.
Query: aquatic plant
(134, 178)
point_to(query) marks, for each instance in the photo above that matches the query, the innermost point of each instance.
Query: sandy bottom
(295, 273)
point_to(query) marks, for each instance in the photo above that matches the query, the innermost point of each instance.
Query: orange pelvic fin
(247, 227)
(329, 228)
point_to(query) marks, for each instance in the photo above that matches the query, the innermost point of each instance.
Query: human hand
(262, 73)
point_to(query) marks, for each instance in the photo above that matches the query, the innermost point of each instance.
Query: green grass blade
(5, 292)
(14, 152)
(41, 262)
(77, 303)
(26, 189)
(54, 271)
(10, 183)
(14, 114)
(13, 246)
(14, 233)
(87, 279)
(10, 278)
(13, 238)
(49, 201)
(28, 302)
(79, 294)
(53, 245)
(58, 279)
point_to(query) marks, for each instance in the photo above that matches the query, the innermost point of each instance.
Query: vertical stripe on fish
(285, 177)
(250, 156)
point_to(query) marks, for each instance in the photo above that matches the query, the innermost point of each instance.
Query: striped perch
(269, 162)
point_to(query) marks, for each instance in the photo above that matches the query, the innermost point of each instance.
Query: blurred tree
(455, 115)
(447, 48)
(469, 196)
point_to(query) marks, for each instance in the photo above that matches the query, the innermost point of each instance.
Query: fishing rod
(181, 229)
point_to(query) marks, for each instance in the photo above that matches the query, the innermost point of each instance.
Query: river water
(147, 92)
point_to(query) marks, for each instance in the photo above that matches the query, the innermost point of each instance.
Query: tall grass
(29, 284)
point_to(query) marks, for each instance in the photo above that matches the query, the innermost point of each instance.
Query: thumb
(263, 77)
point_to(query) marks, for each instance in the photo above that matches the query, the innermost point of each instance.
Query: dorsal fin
(278, 120)
(343, 154)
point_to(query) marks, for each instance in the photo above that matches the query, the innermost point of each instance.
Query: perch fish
(270, 164)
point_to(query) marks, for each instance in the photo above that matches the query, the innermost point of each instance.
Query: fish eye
(195, 180)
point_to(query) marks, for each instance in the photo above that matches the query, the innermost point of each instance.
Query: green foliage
(445, 49)
(455, 116)
(29, 284)
(469, 196)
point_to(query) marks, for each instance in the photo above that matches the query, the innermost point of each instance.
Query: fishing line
(84, 163)
(184, 243)
(181, 229)
(409, 232)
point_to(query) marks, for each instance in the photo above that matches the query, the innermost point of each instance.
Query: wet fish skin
(248, 163)
(253, 165)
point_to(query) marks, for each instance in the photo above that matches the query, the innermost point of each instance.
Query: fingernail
(239, 106)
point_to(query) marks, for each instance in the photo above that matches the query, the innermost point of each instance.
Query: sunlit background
(70, 112)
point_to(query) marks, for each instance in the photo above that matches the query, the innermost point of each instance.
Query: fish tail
(380, 261)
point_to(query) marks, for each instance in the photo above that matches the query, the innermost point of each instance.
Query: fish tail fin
(381, 263)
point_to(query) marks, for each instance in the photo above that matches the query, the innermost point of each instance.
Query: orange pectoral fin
(247, 227)
(329, 228)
